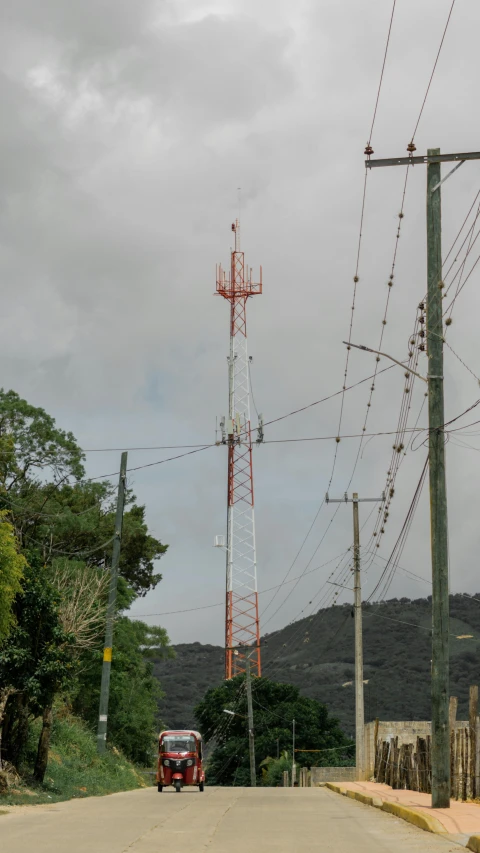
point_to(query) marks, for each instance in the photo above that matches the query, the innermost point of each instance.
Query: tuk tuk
(180, 760)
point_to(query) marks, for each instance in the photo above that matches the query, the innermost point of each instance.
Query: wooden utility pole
(436, 453)
(251, 735)
(112, 600)
(357, 591)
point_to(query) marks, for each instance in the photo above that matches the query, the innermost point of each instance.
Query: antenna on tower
(242, 626)
(223, 430)
(260, 436)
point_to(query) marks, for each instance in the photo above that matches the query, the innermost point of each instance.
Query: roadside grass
(74, 768)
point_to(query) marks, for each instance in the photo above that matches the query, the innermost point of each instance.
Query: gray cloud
(127, 130)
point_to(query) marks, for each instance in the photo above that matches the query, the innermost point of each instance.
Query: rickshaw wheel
(178, 786)
(159, 788)
(201, 786)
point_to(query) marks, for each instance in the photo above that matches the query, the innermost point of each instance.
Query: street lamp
(385, 355)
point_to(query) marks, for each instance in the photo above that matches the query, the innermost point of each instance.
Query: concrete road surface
(221, 820)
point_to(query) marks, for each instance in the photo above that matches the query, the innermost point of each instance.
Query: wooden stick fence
(409, 765)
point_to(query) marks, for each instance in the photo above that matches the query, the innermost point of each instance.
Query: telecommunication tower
(242, 627)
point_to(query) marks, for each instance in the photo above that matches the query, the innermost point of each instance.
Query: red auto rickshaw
(180, 760)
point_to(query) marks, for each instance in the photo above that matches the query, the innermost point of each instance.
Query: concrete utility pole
(357, 589)
(436, 453)
(294, 766)
(438, 495)
(112, 600)
(251, 735)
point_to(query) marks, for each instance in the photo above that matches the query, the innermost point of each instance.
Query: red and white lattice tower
(242, 627)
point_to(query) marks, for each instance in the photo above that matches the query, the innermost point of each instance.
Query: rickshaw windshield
(178, 743)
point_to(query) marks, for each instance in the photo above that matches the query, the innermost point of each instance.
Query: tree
(82, 590)
(54, 510)
(31, 444)
(35, 662)
(64, 526)
(274, 768)
(275, 706)
(133, 718)
(12, 566)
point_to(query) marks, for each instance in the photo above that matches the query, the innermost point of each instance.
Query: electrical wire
(433, 71)
(355, 282)
(222, 603)
(303, 573)
(404, 410)
(395, 556)
(264, 623)
(151, 464)
(452, 303)
(299, 632)
(325, 399)
(153, 447)
(382, 73)
(459, 233)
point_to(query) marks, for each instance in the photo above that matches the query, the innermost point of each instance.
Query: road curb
(420, 819)
(417, 818)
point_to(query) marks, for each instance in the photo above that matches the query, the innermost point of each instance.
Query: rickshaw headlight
(166, 762)
(189, 762)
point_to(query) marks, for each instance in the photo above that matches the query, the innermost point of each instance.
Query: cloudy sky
(126, 130)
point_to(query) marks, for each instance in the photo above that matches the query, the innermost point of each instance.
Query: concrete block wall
(320, 775)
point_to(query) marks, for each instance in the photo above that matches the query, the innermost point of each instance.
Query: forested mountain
(317, 655)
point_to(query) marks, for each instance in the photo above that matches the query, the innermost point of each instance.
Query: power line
(325, 399)
(206, 445)
(355, 283)
(382, 72)
(458, 234)
(433, 71)
(397, 550)
(450, 307)
(152, 464)
(308, 564)
(329, 596)
(222, 603)
(402, 622)
(153, 447)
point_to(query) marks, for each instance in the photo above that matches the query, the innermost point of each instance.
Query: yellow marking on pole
(107, 654)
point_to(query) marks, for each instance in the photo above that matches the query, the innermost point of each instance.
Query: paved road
(221, 820)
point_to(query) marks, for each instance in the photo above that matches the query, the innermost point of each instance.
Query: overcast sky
(126, 129)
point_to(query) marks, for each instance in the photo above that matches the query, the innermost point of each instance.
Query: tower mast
(242, 627)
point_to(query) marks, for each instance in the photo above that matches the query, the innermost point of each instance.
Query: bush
(74, 767)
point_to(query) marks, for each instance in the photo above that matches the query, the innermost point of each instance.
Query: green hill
(317, 655)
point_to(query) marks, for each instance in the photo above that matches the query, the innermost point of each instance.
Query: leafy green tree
(35, 660)
(51, 506)
(133, 719)
(12, 567)
(32, 446)
(275, 706)
(64, 526)
(78, 521)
